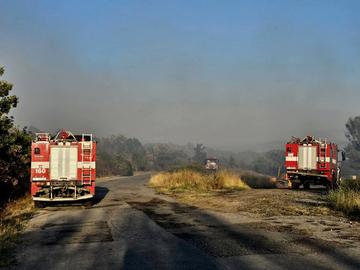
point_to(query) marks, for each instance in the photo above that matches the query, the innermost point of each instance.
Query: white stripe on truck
(46, 165)
(321, 159)
(37, 164)
(86, 165)
(291, 158)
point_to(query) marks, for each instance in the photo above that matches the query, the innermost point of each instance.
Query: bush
(350, 184)
(110, 165)
(192, 167)
(189, 180)
(346, 198)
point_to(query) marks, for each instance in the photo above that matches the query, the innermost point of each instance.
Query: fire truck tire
(295, 185)
(306, 185)
(334, 183)
(330, 186)
(39, 204)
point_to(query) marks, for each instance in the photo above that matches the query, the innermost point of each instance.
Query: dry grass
(346, 200)
(12, 221)
(190, 180)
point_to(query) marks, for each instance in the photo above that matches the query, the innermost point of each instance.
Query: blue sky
(225, 73)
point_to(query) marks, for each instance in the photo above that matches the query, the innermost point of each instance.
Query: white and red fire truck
(311, 161)
(62, 168)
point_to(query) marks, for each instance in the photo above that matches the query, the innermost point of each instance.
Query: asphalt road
(132, 227)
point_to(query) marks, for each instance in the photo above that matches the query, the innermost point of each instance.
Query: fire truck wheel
(328, 186)
(335, 184)
(295, 185)
(39, 204)
(306, 185)
(332, 185)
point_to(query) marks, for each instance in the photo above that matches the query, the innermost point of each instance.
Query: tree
(166, 158)
(112, 165)
(353, 148)
(353, 132)
(129, 154)
(270, 162)
(14, 147)
(123, 166)
(232, 162)
(137, 154)
(199, 153)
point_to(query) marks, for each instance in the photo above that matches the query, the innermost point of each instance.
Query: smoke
(223, 75)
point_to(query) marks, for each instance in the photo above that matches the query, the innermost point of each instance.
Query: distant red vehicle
(63, 167)
(311, 161)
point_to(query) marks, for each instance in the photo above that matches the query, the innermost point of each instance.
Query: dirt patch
(245, 239)
(69, 233)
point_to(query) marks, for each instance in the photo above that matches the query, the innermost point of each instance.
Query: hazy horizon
(229, 74)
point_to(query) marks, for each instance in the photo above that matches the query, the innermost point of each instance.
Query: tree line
(123, 156)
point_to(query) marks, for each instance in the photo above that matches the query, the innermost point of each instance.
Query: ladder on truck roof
(322, 153)
(42, 137)
(86, 159)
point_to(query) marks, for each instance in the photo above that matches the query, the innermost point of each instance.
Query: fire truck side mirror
(343, 156)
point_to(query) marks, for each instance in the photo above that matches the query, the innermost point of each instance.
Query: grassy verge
(12, 221)
(191, 180)
(347, 198)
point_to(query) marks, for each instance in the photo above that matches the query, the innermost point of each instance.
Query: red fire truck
(62, 168)
(311, 161)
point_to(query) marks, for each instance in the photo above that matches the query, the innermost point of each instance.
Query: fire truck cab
(63, 167)
(311, 161)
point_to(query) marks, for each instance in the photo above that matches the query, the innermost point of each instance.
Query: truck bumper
(65, 199)
(309, 174)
